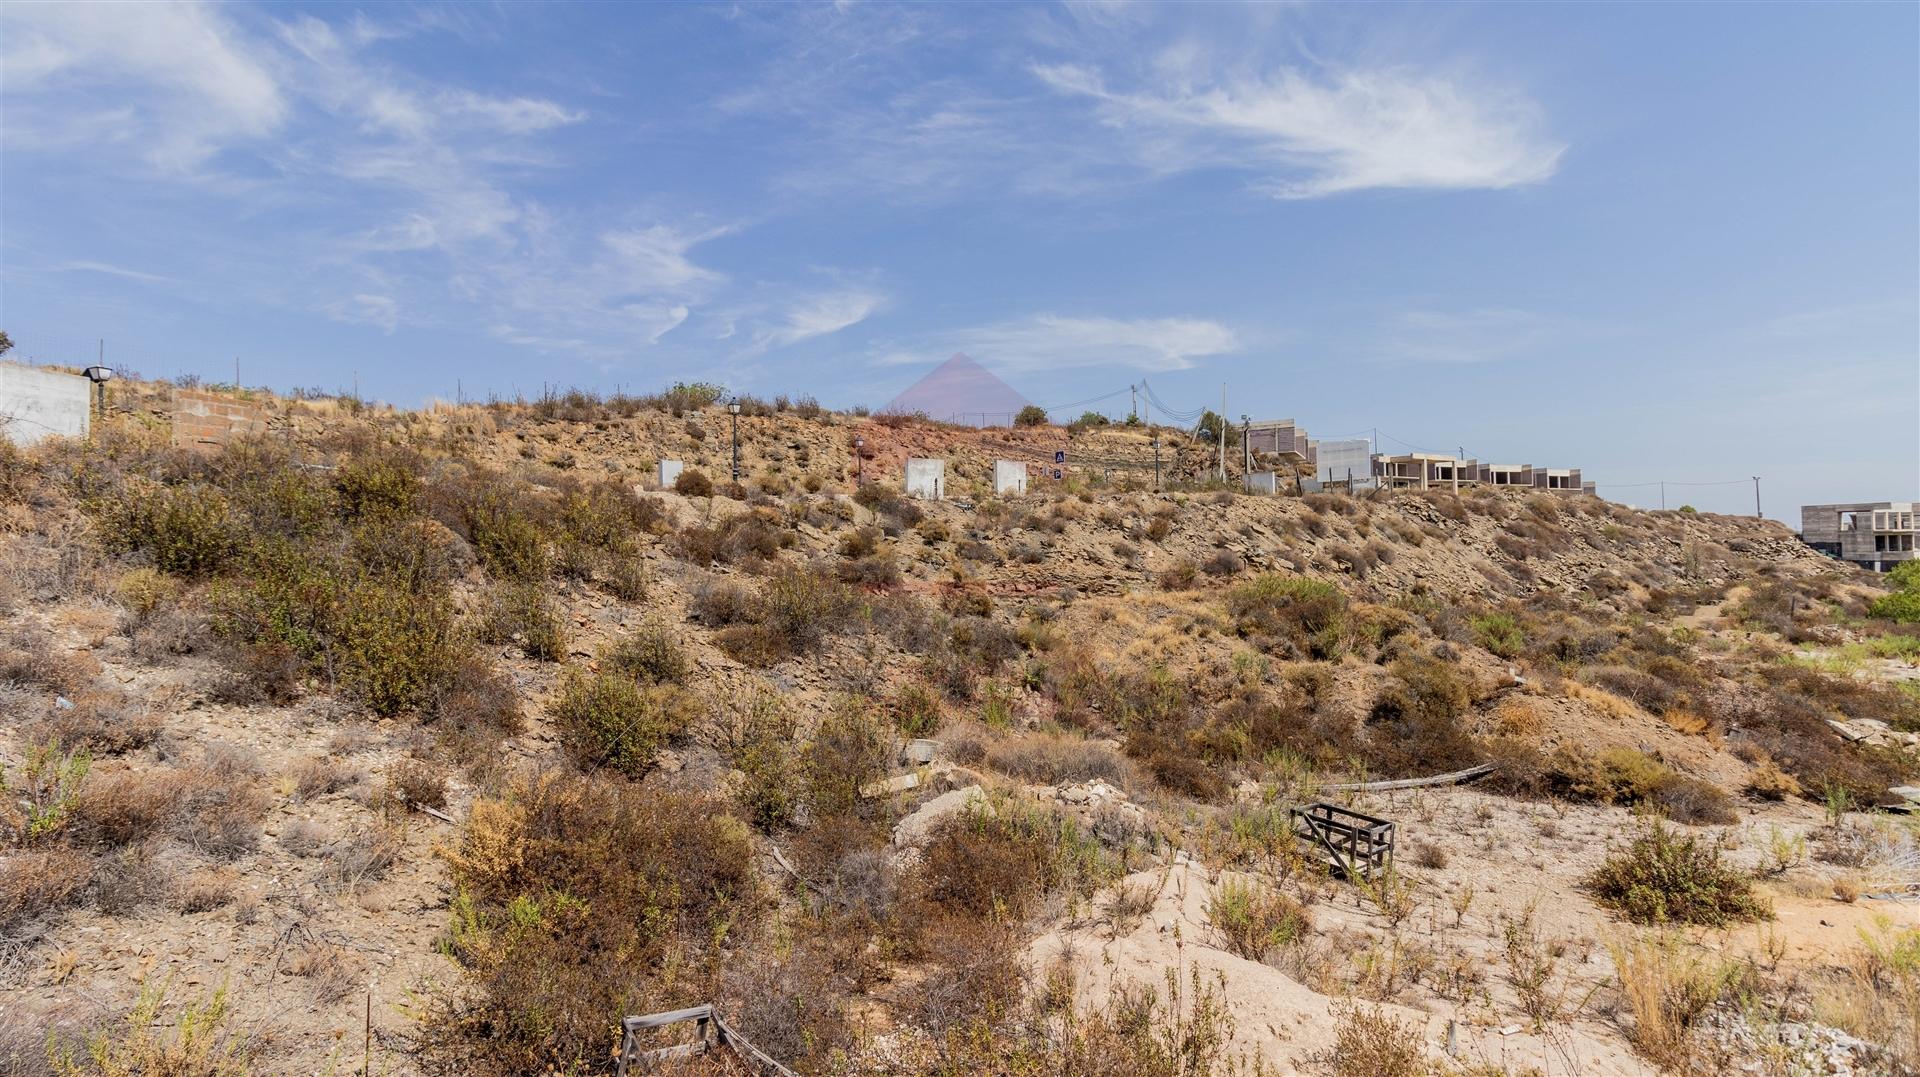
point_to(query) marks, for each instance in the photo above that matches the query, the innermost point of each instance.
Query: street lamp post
(100, 376)
(859, 459)
(734, 410)
(1156, 463)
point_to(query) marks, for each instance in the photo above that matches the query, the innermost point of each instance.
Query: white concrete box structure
(1344, 460)
(1262, 482)
(926, 478)
(667, 472)
(37, 404)
(1009, 478)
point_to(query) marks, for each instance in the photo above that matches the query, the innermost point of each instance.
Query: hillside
(439, 741)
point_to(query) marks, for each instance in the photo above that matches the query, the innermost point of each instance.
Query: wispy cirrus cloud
(818, 315)
(1056, 342)
(206, 86)
(1468, 336)
(1310, 135)
(113, 271)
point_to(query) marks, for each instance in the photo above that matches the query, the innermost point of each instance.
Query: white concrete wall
(926, 478)
(1262, 482)
(666, 473)
(37, 404)
(1009, 478)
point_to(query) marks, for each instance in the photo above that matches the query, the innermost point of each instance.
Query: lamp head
(99, 374)
(734, 407)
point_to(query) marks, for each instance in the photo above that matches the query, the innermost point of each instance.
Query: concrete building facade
(36, 404)
(1873, 534)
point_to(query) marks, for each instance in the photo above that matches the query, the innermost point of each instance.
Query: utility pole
(236, 373)
(1133, 401)
(1156, 463)
(1663, 496)
(1756, 497)
(1223, 431)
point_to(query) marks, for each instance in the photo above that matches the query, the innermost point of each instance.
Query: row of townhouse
(1281, 447)
(1427, 471)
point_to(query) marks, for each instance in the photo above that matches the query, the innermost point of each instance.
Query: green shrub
(1500, 633)
(522, 613)
(1902, 607)
(651, 654)
(1255, 919)
(1905, 576)
(394, 647)
(1031, 415)
(508, 540)
(1664, 877)
(848, 750)
(374, 485)
(916, 710)
(607, 720)
(1310, 614)
(189, 530)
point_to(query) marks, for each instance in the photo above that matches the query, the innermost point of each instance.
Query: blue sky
(1654, 241)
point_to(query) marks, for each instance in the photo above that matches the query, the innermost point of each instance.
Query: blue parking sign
(1059, 457)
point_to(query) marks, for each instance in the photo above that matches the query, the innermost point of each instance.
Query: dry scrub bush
(1669, 988)
(35, 882)
(1414, 727)
(1256, 920)
(209, 811)
(187, 530)
(607, 720)
(998, 862)
(578, 901)
(1050, 760)
(1663, 877)
(418, 781)
(1291, 613)
(28, 657)
(198, 1040)
(1370, 1042)
(651, 654)
(1625, 776)
(1876, 995)
(320, 775)
(103, 723)
(522, 613)
(793, 611)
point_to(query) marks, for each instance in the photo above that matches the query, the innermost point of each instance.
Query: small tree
(1031, 415)
(6, 342)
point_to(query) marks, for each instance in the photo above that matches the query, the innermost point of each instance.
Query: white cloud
(1356, 129)
(513, 115)
(818, 316)
(1054, 342)
(113, 271)
(206, 84)
(1474, 336)
(364, 309)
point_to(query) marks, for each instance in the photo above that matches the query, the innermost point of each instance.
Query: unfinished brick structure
(206, 421)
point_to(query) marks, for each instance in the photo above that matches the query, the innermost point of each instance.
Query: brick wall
(208, 420)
